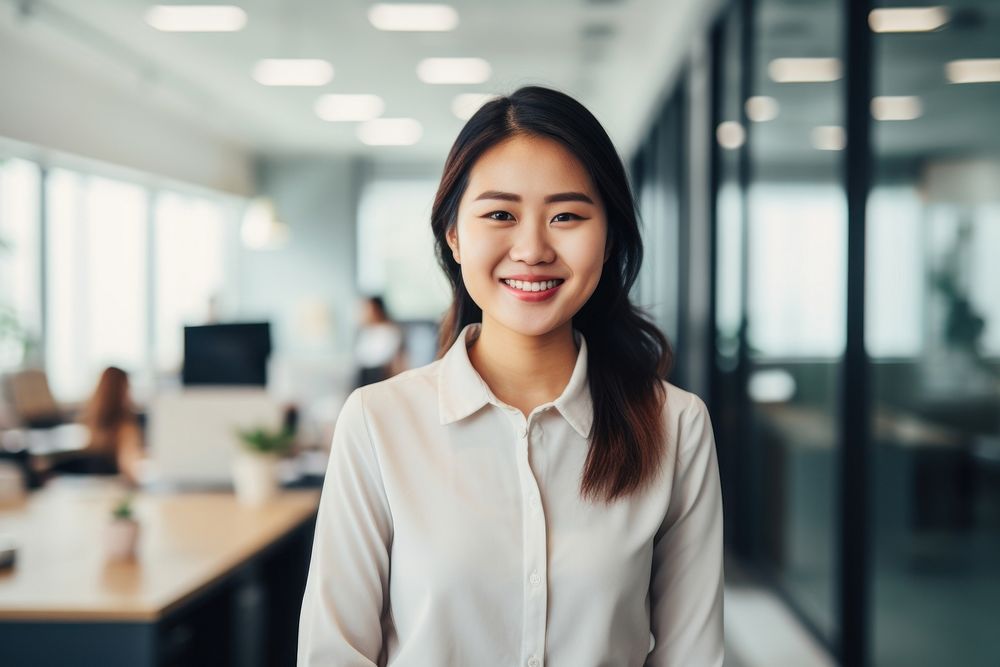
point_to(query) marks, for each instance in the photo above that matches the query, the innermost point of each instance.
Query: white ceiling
(616, 56)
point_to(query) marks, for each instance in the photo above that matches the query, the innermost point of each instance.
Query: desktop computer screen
(226, 354)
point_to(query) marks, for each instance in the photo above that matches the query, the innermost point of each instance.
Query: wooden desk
(205, 588)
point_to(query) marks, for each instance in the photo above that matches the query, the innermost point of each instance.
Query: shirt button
(535, 579)
(534, 662)
(522, 432)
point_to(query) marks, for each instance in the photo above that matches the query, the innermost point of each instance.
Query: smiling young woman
(540, 494)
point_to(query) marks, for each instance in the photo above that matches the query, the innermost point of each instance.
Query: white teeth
(525, 286)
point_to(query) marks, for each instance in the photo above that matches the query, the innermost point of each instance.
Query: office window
(895, 287)
(96, 280)
(20, 317)
(396, 249)
(797, 250)
(192, 235)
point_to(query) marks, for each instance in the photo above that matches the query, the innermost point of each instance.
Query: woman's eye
(494, 215)
(566, 217)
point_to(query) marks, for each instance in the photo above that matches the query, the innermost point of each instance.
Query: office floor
(936, 604)
(761, 631)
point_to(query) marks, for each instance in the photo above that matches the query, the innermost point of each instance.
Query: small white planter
(121, 537)
(255, 478)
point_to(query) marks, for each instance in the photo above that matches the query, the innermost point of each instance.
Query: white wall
(317, 198)
(307, 288)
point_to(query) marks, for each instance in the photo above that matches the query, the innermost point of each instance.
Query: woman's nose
(531, 244)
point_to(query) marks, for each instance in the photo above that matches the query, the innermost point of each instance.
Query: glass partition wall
(855, 305)
(795, 286)
(933, 334)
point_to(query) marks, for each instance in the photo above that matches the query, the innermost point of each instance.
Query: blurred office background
(819, 182)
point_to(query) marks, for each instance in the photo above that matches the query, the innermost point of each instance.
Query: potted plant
(255, 469)
(122, 533)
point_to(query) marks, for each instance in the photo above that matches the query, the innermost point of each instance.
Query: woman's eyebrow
(558, 197)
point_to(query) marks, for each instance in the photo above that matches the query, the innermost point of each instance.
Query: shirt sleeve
(347, 585)
(686, 584)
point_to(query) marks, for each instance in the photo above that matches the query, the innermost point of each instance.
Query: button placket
(535, 550)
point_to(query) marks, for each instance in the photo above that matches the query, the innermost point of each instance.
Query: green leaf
(123, 509)
(267, 441)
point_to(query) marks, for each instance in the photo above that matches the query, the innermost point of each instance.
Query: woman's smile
(532, 291)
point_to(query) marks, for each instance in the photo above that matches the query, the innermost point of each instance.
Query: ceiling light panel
(413, 17)
(829, 138)
(292, 72)
(454, 70)
(900, 107)
(761, 108)
(975, 70)
(804, 70)
(730, 135)
(337, 107)
(390, 132)
(908, 19)
(196, 18)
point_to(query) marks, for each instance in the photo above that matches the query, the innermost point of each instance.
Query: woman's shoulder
(404, 403)
(682, 406)
(681, 399)
(411, 386)
(411, 380)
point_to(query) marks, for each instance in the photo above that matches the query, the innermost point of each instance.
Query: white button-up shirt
(451, 531)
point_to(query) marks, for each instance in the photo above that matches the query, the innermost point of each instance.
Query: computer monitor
(226, 354)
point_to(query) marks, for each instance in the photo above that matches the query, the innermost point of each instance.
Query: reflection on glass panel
(796, 238)
(96, 280)
(895, 294)
(190, 245)
(728, 394)
(797, 253)
(729, 195)
(933, 335)
(20, 318)
(659, 195)
(729, 311)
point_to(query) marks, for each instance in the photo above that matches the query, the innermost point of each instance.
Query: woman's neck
(524, 371)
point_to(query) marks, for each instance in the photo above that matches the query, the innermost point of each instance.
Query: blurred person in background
(379, 349)
(115, 441)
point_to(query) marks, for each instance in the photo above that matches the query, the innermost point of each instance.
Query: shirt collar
(462, 391)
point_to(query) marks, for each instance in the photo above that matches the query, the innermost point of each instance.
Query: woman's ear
(452, 237)
(607, 250)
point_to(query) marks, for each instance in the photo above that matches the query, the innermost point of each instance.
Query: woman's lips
(541, 295)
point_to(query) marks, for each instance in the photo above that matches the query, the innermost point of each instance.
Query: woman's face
(530, 214)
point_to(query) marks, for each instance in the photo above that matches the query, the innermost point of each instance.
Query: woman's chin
(530, 324)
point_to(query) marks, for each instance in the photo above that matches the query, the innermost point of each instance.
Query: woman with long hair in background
(114, 436)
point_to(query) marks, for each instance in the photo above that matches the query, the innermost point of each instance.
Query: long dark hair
(627, 355)
(108, 409)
